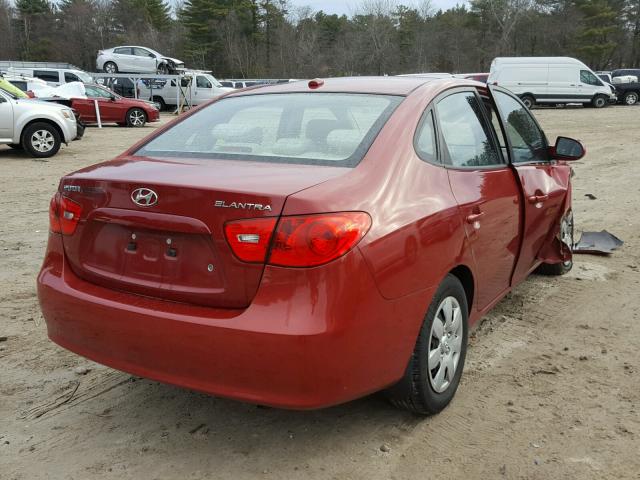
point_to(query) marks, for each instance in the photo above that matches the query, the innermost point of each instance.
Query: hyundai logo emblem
(144, 197)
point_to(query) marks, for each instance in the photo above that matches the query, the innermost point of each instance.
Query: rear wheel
(528, 101)
(159, 102)
(630, 98)
(110, 67)
(599, 101)
(435, 367)
(136, 117)
(41, 140)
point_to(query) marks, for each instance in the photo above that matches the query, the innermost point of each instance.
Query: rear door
(544, 183)
(6, 118)
(124, 58)
(485, 188)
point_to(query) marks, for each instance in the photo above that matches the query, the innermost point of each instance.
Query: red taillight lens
(64, 215)
(310, 240)
(249, 239)
(299, 241)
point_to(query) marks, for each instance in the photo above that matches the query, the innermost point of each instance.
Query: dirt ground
(551, 389)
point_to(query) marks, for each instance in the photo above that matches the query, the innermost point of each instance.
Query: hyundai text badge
(144, 197)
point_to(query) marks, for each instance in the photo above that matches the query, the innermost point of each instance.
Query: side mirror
(112, 98)
(151, 55)
(567, 149)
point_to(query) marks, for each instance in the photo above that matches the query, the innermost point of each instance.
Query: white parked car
(550, 80)
(197, 88)
(37, 127)
(134, 59)
(53, 76)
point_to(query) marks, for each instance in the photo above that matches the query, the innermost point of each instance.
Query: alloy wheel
(42, 141)
(445, 344)
(631, 98)
(136, 118)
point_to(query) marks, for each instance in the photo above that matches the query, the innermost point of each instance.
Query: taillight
(64, 215)
(249, 239)
(299, 241)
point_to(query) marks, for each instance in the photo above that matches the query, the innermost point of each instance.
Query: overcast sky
(349, 6)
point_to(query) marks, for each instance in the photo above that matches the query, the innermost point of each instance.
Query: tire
(136, 118)
(599, 101)
(427, 391)
(528, 101)
(566, 235)
(41, 140)
(630, 98)
(110, 67)
(15, 146)
(159, 101)
(163, 69)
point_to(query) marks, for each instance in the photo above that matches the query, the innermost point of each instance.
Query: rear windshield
(307, 128)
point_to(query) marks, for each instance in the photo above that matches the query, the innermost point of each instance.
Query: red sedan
(113, 108)
(305, 244)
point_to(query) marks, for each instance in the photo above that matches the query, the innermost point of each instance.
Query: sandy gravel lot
(551, 389)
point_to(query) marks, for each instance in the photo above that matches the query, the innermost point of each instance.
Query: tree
(35, 19)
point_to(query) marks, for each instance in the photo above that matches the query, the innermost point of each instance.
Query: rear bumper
(311, 338)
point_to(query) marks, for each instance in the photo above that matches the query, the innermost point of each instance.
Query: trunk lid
(175, 249)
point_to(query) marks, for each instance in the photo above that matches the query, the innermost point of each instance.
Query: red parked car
(305, 244)
(114, 108)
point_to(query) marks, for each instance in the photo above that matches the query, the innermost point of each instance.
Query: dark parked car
(304, 244)
(621, 72)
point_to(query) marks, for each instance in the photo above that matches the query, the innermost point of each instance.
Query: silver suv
(38, 127)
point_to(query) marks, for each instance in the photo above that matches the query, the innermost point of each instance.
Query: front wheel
(435, 367)
(599, 102)
(41, 140)
(630, 98)
(136, 117)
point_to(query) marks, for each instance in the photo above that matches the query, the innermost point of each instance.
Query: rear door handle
(538, 198)
(474, 217)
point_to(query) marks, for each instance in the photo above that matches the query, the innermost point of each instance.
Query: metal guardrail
(7, 64)
(135, 77)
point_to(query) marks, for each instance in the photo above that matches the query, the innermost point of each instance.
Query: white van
(54, 76)
(550, 80)
(197, 88)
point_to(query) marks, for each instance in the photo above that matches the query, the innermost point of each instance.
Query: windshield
(308, 128)
(214, 80)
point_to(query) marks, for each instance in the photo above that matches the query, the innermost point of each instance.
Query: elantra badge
(144, 197)
(242, 205)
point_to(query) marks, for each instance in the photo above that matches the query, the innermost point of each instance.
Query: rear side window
(306, 128)
(47, 75)
(123, 51)
(425, 141)
(466, 135)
